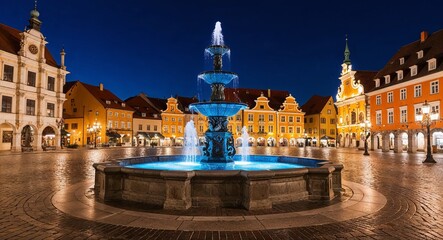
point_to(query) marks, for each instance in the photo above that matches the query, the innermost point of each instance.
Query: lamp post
(426, 118)
(94, 130)
(367, 133)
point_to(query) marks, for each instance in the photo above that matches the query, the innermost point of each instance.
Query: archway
(437, 139)
(283, 142)
(251, 141)
(404, 141)
(391, 141)
(271, 142)
(378, 141)
(239, 142)
(261, 141)
(292, 142)
(27, 138)
(48, 138)
(420, 141)
(7, 136)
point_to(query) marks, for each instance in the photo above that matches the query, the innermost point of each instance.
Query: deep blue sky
(157, 47)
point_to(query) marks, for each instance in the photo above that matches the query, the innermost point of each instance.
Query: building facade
(411, 77)
(320, 121)
(31, 89)
(352, 104)
(98, 117)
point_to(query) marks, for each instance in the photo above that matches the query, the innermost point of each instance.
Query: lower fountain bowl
(180, 187)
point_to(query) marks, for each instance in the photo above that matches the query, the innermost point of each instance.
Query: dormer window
(413, 70)
(123, 104)
(155, 115)
(420, 54)
(432, 64)
(387, 79)
(400, 75)
(402, 61)
(108, 102)
(377, 82)
(143, 114)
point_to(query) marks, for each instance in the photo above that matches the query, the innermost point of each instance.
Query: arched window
(353, 118)
(361, 118)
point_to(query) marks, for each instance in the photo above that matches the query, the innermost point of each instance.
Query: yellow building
(320, 121)
(271, 120)
(352, 112)
(98, 117)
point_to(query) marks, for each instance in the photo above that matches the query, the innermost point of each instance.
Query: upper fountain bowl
(217, 50)
(217, 76)
(217, 109)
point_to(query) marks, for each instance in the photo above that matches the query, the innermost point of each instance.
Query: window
(66, 126)
(434, 87)
(282, 129)
(271, 118)
(271, 129)
(403, 114)
(283, 119)
(261, 117)
(110, 113)
(322, 120)
(291, 119)
(353, 117)
(30, 107)
(390, 97)
(200, 128)
(173, 119)
(172, 129)
(128, 124)
(298, 119)
(413, 70)
(377, 82)
(140, 127)
(310, 131)
(116, 114)
(250, 117)
(31, 78)
(8, 73)
(417, 91)
(51, 83)
(298, 130)
(250, 129)
(108, 102)
(110, 124)
(322, 131)
(387, 79)
(6, 104)
(329, 111)
(432, 64)
(122, 115)
(311, 120)
(400, 75)
(50, 109)
(180, 129)
(148, 127)
(238, 117)
(262, 107)
(166, 119)
(403, 94)
(165, 129)
(123, 126)
(261, 129)
(143, 114)
(155, 128)
(420, 54)
(332, 121)
(74, 126)
(332, 131)
(390, 116)
(116, 124)
(378, 100)
(378, 117)
(290, 129)
(402, 61)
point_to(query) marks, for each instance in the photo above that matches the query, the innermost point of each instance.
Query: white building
(31, 89)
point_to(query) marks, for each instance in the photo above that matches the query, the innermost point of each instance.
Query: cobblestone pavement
(413, 190)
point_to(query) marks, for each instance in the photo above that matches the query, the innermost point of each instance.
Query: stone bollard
(256, 189)
(178, 189)
(320, 183)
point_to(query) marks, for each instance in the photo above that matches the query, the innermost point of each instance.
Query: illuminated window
(390, 116)
(51, 84)
(378, 117)
(402, 61)
(378, 100)
(390, 97)
(403, 114)
(417, 91)
(413, 70)
(8, 73)
(387, 79)
(432, 64)
(420, 54)
(434, 87)
(403, 94)
(400, 75)
(377, 82)
(31, 78)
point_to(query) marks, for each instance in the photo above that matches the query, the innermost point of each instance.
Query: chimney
(269, 93)
(101, 86)
(423, 36)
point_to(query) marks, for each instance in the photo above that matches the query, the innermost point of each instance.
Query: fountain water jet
(191, 142)
(244, 144)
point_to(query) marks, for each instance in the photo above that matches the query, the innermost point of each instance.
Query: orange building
(411, 77)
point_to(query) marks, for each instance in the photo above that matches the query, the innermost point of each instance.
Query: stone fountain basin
(217, 76)
(217, 109)
(253, 190)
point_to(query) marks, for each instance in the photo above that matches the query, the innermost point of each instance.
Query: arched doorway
(378, 141)
(251, 141)
(404, 141)
(48, 138)
(292, 142)
(271, 142)
(437, 139)
(261, 141)
(420, 141)
(391, 141)
(27, 138)
(7, 136)
(283, 142)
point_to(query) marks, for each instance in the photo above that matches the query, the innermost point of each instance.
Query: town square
(219, 121)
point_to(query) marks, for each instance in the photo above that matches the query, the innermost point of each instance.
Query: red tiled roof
(315, 104)
(184, 102)
(249, 95)
(432, 48)
(366, 79)
(141, 104)
(10, 42)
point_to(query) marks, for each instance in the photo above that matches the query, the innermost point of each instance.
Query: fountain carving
(219, 145)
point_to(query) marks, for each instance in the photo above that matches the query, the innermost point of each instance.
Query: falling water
(217, 36)
(245, 144)
(190, 142)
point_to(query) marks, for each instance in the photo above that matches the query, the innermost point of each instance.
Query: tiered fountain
(216, 179)
(219, 146)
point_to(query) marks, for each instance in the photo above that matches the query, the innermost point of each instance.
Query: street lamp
(426, 118)
(367, 133)
(94, 130)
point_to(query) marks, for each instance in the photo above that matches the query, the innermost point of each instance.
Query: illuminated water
(191, 142)
(244, 151)
(238, 165)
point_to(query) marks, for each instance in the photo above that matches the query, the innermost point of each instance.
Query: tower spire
(347, 60)
(34, 22)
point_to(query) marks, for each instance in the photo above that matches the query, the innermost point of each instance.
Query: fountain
(217, 178)
(244, 153)
(190, 142)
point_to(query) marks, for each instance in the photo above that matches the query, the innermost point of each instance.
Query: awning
(155, 135)
(113, 134)
(143, 134)
(64, 132)
(327, 138)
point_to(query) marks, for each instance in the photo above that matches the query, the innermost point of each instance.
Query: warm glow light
(426, 107)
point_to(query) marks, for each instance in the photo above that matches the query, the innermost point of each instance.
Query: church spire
(347, 60)
(34, 22)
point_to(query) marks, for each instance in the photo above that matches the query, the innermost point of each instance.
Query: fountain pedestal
(219, 147)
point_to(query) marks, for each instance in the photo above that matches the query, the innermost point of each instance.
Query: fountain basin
(250, 189)
(217, 76)
(217, 50)
(217, 109)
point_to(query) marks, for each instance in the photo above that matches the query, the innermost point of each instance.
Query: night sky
(157, 47)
